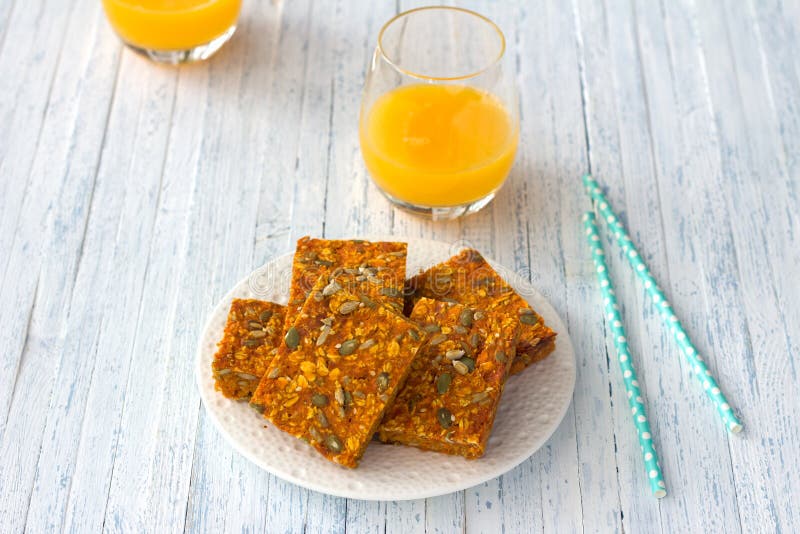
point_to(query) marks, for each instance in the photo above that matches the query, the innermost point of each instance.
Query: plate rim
(342, 491)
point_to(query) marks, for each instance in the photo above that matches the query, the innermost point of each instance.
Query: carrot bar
(379, 269)
(451, 396)
(251, 339)
(468, 279)
(341, 364)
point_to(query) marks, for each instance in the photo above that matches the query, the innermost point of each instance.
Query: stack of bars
(359, 351)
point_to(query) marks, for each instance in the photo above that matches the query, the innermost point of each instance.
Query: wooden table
(132, 196)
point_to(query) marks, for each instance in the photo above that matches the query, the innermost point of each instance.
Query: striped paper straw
(624, 356)
(670, 320)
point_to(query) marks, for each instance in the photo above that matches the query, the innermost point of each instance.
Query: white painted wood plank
(43, 262)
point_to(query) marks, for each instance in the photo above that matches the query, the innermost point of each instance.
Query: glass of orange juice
(174, 31)
(439, 123)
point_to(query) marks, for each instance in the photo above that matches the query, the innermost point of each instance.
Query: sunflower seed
(398, 253)
(258, 407)
(443, 383)
(383, 381)
(252, 342)
(432, 328)
(319, 400)
(413, 334)
(274, 373)
(458, 329)
(223, 372)
(391, 292)
(465, 318)
(367, 344)
(339, 395)
(292, 338)
(333, 443)
(478, 315)
(438, 338)
(460, 367)
(247, 376)
(322, 420)
(351, 271)
(454, 354)
(258, 334)
(481, 395)
(367, 301)
(323, 336)
(315, 434)
(500, 356)
(325, 263)
(444, 417)
(348, 347)
(331, 289)
(349, 307)
(254, 325)
(327, 321)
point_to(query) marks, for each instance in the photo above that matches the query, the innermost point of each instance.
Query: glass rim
(420, 76)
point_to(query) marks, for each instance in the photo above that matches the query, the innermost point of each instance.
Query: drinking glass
(439, 121)
(174, 31)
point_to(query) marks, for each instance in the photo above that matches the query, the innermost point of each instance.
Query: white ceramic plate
(533, 404)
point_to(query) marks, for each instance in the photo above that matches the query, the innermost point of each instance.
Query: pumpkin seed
(367, 344)
(319, 400)
(265, 316)
(274, 373)
(465, 346)
(323, 336)
(367, 301)
(254, 325)
(322, 420)
(359, 395)
(500, 356)
(478, 315)
(383, 381)
(348, 398)
(469, 362)
(528, 318)
(460, 367)
(413, 334)
(465, 317)
(348, 347)
(445, 417)
(258, 407)
(432, 328)
(333, 443)
(349, 307)
(443, 383)
(438, 338)
(252, 342)
(331, 289)
(292, 338)
(454, 354)
(391, 292)
(315, 434)
(458, 329)
(475, 339)
(258, 334)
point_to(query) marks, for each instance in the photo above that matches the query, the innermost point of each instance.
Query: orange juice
(438, 145)
(171, 24)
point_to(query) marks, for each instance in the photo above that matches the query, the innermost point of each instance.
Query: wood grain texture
(133, 196)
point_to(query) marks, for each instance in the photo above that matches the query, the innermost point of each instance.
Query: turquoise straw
(624, 356)
(670, 320)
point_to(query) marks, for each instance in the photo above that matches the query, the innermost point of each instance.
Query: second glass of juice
(439, 123)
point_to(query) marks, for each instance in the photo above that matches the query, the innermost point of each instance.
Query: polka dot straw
(624, 357)
(673, 324)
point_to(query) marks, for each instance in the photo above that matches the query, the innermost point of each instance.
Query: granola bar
(451, 396)
(379, 269)
(467, 278)
(251, 338)
(341, 364)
